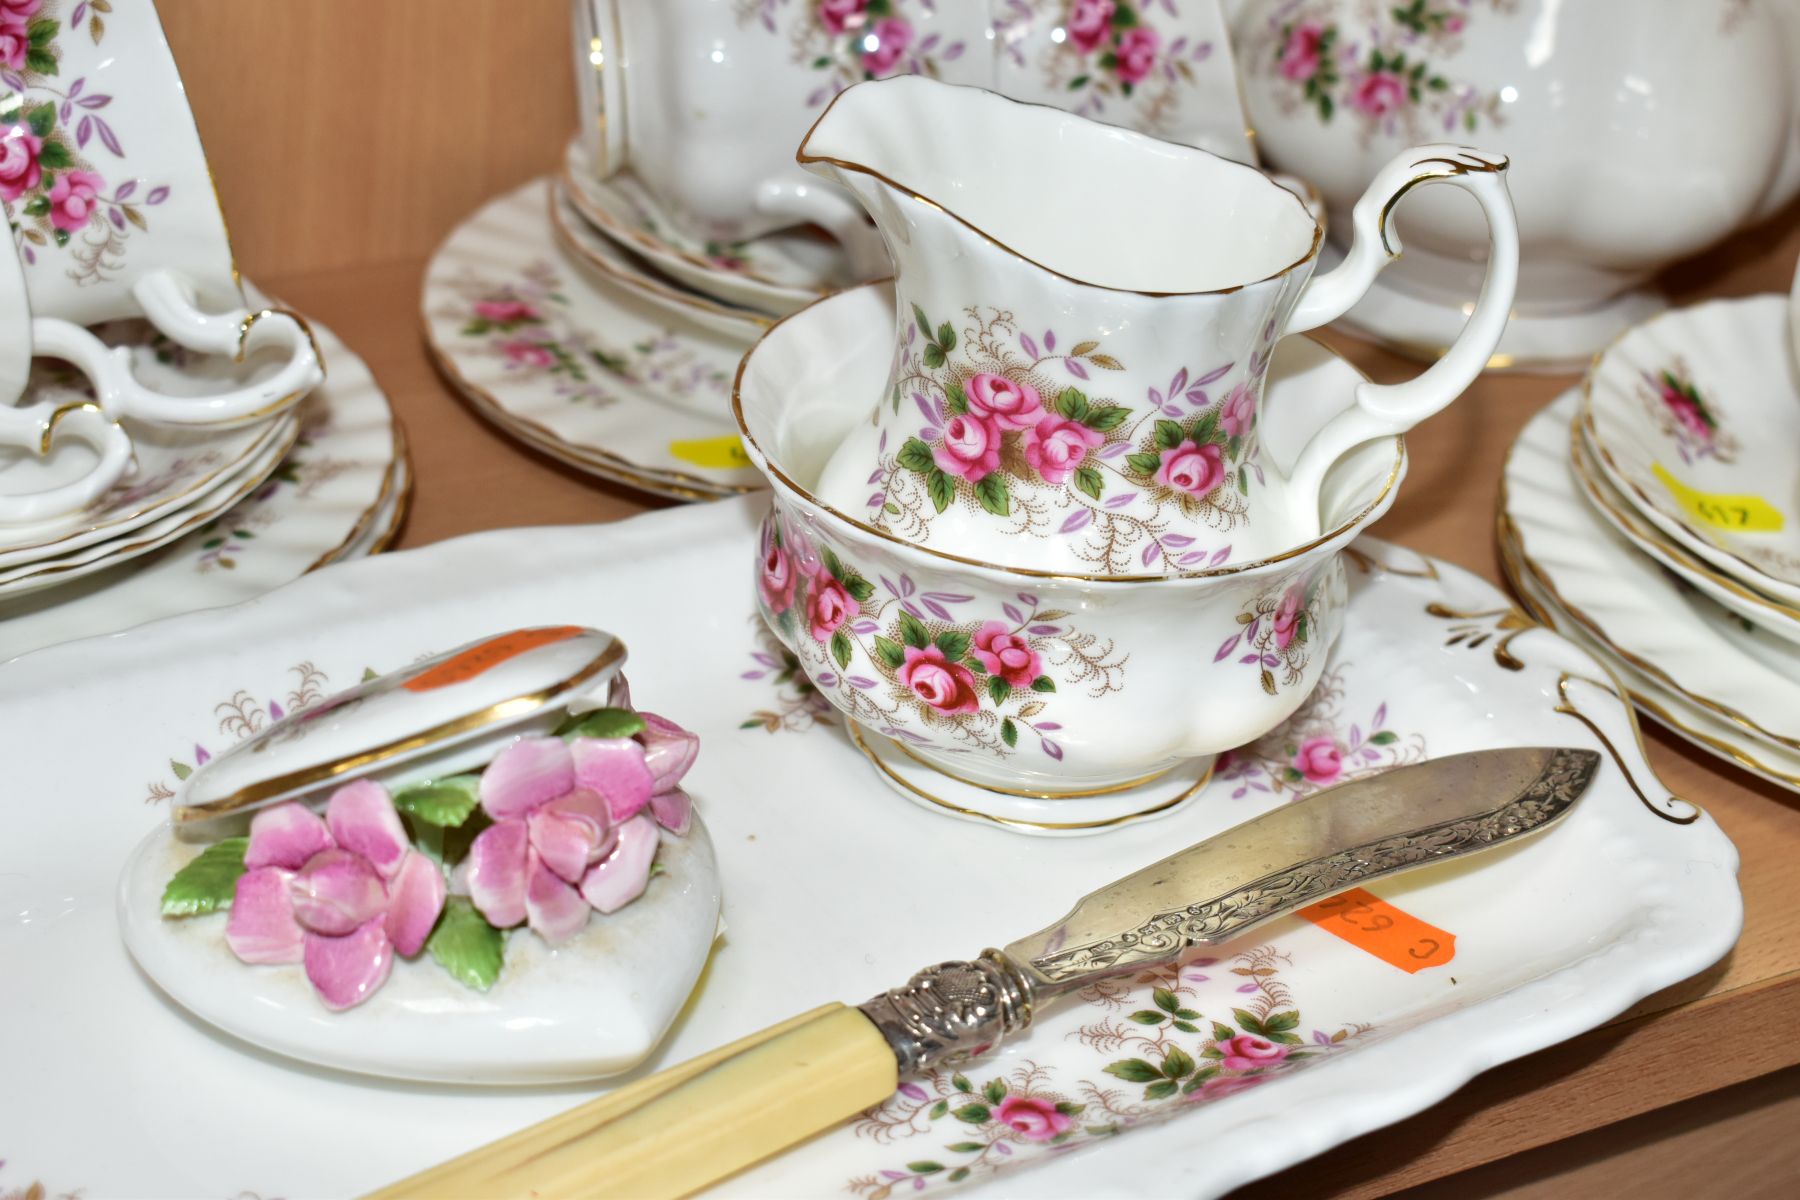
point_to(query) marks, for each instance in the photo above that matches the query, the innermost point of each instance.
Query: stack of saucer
(1649, 515)
(599, 315)
(167, 440)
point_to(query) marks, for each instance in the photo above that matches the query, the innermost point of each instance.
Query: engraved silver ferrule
(952, 1012)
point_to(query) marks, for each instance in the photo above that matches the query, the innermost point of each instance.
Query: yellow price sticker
(1747, 514)
(719, 454)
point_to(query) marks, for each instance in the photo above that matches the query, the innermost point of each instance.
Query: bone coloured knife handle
(679, 1130)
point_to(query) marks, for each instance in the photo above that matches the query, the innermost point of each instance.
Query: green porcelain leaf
(208, 883)
(602, 723)
(465, 945)
(443, 802)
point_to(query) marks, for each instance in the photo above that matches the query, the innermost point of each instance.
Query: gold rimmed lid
(435, 704)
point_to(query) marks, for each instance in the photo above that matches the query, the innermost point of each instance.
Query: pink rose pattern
(1275, 632)
(1155, 1052)
(1683, 415)
(1320, 745)
(524, 322)
(58, 197)
(848, 41)
(1008, 414)
(1384, 73)
(1110, 51)
(900, 656)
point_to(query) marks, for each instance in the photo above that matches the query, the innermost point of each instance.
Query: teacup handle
(1383, 410)
(169, 304)
(38, 429)
(801, 200)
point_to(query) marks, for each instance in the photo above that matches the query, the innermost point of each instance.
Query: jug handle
(1386, 409)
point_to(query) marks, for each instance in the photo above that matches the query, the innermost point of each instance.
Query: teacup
(704, 99)
(1086, 317)
(114, 215)
(1024, 688)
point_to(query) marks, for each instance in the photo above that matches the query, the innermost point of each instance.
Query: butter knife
(693, 1124)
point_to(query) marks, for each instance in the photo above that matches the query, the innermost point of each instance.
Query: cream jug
(1086, 318)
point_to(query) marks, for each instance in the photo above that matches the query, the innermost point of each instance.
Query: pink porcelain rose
(1009, 405)
(19, 152)
(886, 45)
(1247, 1052)
(1286, 621)
(1378, 93)
(1033, 1118)
(571, 832)
(505, 312)
(1056, 446)
(1006, 654)
(524, 353)
(1090, 23)
(971, 447)
(828, 607)
(1300, 57)
(1137, 53)
(838, 15)
(339, 895)
(1193, 469)
(73, 199)
(1319, 759)
(947, 686)
(776, 579)
(1237, 413)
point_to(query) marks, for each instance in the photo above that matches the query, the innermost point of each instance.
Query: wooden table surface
(344, 157)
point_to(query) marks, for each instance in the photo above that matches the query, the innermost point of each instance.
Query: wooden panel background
(351, 132)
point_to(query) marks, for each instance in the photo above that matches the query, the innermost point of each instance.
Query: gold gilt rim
(1655, 545)
(1511, 541)
(653, 289)
(1618, 473)
(501, 710)
(669, 480)
(1013, 822)
(603, 468)
(131, 550)
(168, 503)
(391, 475)
(585, 205)
(802, 157)
(784, 481)
(1547, 618)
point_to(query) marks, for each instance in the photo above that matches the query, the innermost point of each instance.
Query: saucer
(176, 466)
(1609, 502)
(1672, 710)
(1694, 416)
(1665, 629)
(581, 242)
(836, 889)
(340, 493)
(776, 274)
(577, 367)
(63, 568)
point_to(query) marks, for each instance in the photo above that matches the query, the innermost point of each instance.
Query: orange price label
(1370, 923)
(488, 655)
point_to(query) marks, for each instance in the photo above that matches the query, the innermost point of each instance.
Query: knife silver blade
(1221, 888)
